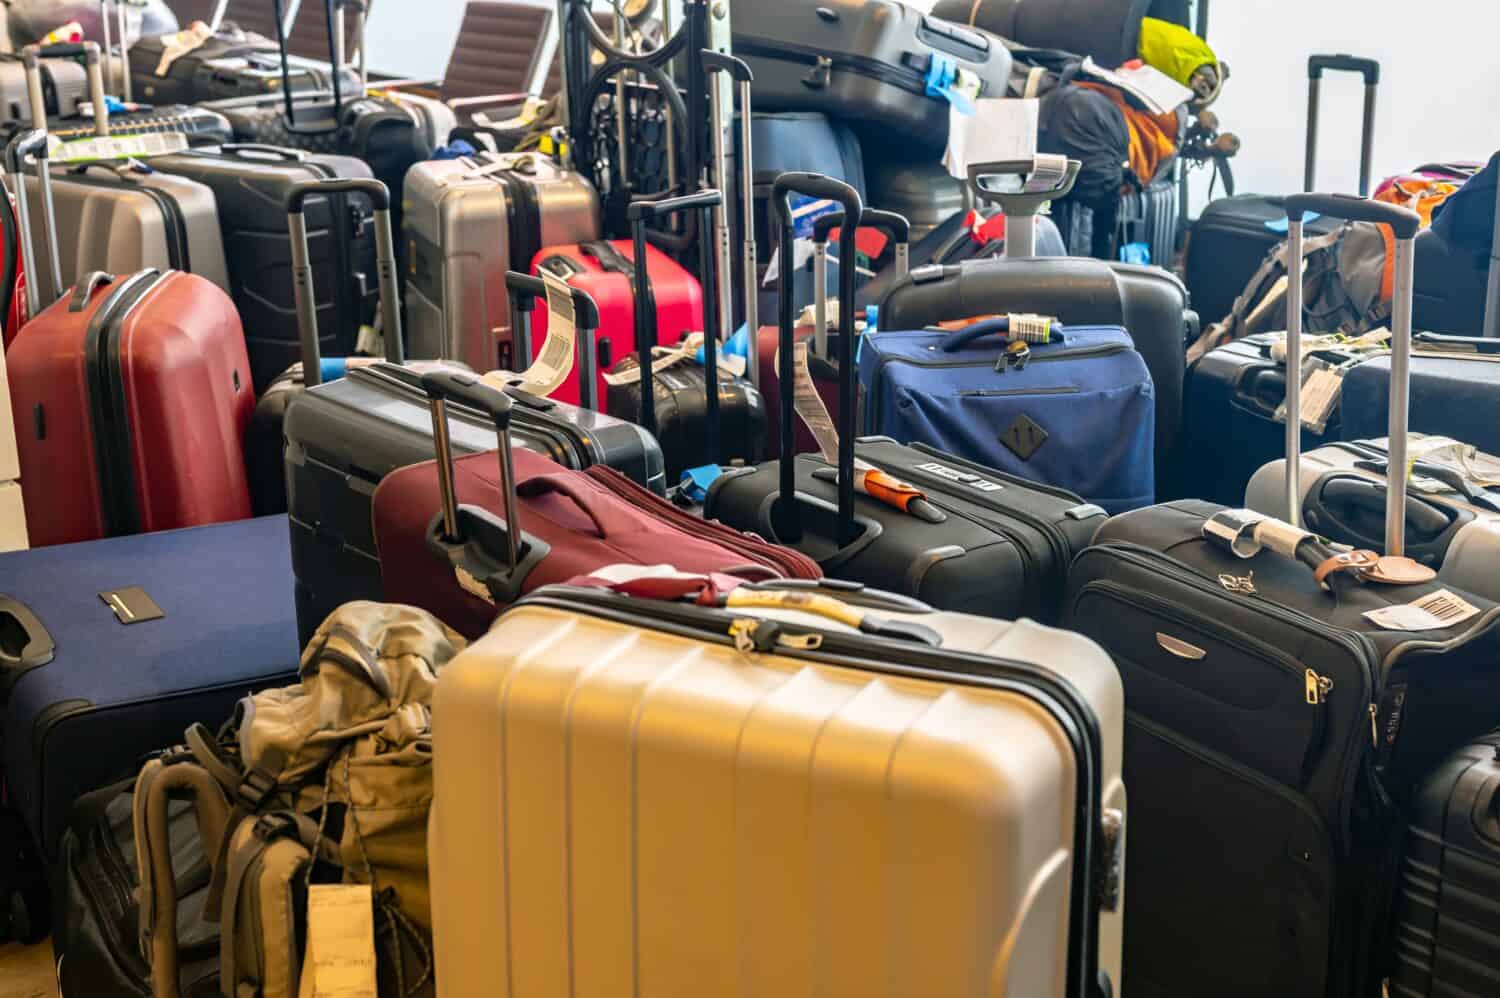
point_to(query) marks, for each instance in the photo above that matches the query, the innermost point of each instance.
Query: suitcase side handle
(525, 291)
(25, 642)
(816, 185)
(302, 277)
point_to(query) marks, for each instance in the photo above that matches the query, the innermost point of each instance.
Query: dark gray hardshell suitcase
(923, 192)
(1107, 30)
(233, 63)
(250, 183)
(1149, 302)
(863, 61)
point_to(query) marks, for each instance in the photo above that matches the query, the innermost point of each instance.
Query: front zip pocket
(1009, 392)
(1217, 686)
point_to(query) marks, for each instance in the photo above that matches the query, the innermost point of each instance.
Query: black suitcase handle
(1368, 68)
(525, 291)
(1355, 208)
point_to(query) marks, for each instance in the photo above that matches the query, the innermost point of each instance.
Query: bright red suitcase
(605, 270)
(131, 397)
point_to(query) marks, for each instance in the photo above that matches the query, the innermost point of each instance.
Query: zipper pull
(1374, 727)
(1317, 687)
(820, 75)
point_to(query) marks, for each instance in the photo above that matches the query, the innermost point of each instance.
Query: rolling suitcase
(1453, 391)
(470, 220)
(1232, 410)
(131, 394)
(880, 65)
(1149, 302)
(1107, 30)
(344, 436)
(250, 184)
(959, 536)
(1232, 236)
(1445, 931)
(444, 548)
(715, 799)
(64, 86)
(1286, 698)
(922, 192)
(122, 643)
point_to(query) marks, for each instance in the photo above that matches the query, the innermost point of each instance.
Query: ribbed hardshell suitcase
(866, 63)
(1447, 934)
(1287, 697)
(1452, 524)
(97, 682)
(131, 396)
(647, 808)
(250, 184)
(467, 222)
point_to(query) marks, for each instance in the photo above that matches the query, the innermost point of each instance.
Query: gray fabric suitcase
(822, 790)
(121, 218)
(467, 222)
(864, 61)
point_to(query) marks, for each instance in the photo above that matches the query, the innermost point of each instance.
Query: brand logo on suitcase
(960, 477)
(1024, 437)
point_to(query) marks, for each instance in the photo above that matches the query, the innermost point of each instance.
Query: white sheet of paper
(1159, 92)
(997, 130)
(340, 960)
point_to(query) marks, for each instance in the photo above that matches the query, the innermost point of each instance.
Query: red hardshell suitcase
(131, 396)
(606, 271)
(444, 548)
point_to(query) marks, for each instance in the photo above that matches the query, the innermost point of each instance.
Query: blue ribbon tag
(695, 481)
(1283, 223)
(1135, 253)
(943, 83)
(737, 345)
(333, 368)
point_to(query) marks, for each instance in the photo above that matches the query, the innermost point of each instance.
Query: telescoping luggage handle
(333, 17)
(33, 142)
(892, 224)
(816, 185)
(302, 279)
(525, 291)
(1405, 223)
(1020, 208)
(640, 213)
(465, 536)
(1370, 70)
(121, 25)
(716, 63)
(31, 64)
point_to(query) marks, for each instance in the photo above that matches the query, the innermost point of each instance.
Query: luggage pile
(615, 550)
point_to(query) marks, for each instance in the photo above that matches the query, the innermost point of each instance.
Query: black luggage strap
(611, 259)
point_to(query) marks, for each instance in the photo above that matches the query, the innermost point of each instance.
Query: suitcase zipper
(910, 80)
(114, 454)
(1010, 392)
(1315, 687)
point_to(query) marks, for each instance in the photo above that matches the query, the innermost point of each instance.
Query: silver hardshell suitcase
(861, 796)
(467, 222)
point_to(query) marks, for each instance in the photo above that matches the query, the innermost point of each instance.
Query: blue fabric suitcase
(84, 694)
(1455, 392)
(1079, 413)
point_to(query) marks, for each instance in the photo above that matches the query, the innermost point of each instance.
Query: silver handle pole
(34, 303)
(1401, 328)
(444, 447)
(724, 258)
(820, 301)
(1294, 372)
(747, 199)
(307, 308)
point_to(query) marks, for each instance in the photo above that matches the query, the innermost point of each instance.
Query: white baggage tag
(628, 373)
(999, 129)
(1320, 397)
(1433, 612)
(340, 957)
(555, 361)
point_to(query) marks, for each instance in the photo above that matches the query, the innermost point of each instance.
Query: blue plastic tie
(696, 481)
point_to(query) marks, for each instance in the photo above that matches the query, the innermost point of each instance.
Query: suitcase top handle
(385, 265)
(1016, 204)
(891, 223)
(816, 185)
(1368, 68)
(719, 62)
(524, 292)
(1405, 223)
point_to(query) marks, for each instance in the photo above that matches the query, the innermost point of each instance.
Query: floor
(26, 971)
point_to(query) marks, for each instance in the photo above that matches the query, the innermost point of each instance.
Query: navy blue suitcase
(1455, 392)
(91, 680)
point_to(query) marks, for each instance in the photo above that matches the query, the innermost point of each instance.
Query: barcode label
(1447, 607)
(1434, 612)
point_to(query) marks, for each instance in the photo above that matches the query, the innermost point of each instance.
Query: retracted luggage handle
(121, 25)
(333, 17)
(1370, 70)
(892, 224)
(1020, 208)
(715, 63)
(31, 64)
(639, 213)
(302, 277)
(1405, 223)
(525, 291)
(816, 185)
(33, 142)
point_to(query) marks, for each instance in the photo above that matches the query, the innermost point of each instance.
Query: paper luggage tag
(995, 130)
(340, 958)
(1433, 612)
(555, 361)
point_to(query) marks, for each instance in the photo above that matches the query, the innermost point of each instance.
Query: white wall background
(1439, 93)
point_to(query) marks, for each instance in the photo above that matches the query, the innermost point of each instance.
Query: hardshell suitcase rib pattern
(939, 815)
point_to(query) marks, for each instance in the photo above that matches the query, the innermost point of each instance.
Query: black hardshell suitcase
(343, 436)
(250, 183)
(1275, 729)
(863, 61)
(985, 543)
(1231, 237)
(1447, 928)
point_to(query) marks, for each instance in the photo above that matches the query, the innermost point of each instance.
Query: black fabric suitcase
(1451, 287)
(232, 63)
(1107, 30)
(1447, 930)
(1276, 728)
(1455, 392)
(863, 61)
(250, 183)
(1230, 238)
(977, 542)
(99, 677)
(1229, 418)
